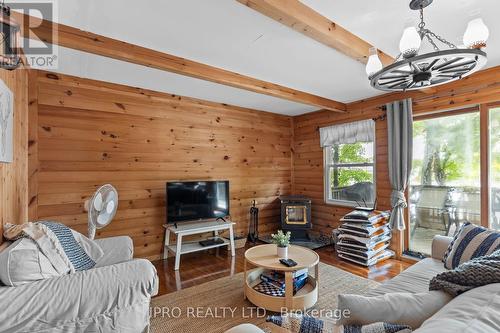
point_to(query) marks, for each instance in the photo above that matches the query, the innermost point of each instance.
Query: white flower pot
(282, 252)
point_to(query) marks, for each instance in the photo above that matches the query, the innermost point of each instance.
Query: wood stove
(296, 215)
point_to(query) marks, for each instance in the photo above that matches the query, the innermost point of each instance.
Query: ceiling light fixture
(412, 71)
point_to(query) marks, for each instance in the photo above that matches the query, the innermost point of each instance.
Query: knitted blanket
(75, 253)
(469, 275)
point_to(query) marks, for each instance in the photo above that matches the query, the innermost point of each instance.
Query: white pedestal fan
(101, 208)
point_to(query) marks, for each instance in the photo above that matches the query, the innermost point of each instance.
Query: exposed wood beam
(305, 20)
(96, 44)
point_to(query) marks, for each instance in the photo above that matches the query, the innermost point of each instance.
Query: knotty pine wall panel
(14, 176)
(90, 133)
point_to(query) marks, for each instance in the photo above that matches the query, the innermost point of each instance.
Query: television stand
(186, 229)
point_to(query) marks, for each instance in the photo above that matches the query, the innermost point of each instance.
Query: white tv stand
(192, 228)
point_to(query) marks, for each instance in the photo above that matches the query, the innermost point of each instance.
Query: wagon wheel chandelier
(411, 71)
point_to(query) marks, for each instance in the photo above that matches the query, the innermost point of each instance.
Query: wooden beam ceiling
(96, 44)
(305, 20)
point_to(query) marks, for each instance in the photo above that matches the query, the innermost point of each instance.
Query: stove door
(296, 215)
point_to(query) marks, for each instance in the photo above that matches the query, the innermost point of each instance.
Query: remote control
(288, 262)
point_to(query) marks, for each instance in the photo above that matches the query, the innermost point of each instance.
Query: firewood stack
(365, 237)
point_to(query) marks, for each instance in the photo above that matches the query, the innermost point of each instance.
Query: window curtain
(359, 131)
(400, 137)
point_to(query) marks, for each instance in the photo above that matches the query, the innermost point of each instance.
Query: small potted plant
(282, 241)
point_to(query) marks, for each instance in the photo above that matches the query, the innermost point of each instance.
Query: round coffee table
(265, 257)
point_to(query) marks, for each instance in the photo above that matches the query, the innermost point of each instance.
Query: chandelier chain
(421, 25)
(442, 40)
(427, 32)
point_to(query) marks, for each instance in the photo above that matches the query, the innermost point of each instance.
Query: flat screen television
(199, 200)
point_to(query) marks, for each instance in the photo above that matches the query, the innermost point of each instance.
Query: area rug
(216, 306)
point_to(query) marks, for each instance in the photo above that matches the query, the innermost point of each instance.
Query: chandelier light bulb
(410, 42)
(374, 64)
(476, 34)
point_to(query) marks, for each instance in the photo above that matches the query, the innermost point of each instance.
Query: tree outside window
(350, 173)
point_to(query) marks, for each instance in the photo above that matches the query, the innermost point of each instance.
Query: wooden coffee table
(264, 257)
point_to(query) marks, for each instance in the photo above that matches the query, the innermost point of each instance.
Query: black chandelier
(412, 71)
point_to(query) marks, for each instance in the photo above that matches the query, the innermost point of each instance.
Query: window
(349, 163)
(349, 174)
(445, 182)
(494, 157)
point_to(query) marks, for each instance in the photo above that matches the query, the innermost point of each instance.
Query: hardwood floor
(200, 267)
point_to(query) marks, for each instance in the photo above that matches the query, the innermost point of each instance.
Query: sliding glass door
(445, 184)
(494, 169)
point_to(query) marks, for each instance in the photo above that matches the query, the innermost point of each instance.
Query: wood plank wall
(90, 133)
(13, 176)
(84, 133)
(482, 87)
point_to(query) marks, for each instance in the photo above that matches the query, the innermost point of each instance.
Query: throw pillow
(398, 308)
(22, 262)
(471, 242)
(300, 324)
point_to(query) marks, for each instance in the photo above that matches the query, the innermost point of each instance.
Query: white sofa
(476, 311)
(112, 297)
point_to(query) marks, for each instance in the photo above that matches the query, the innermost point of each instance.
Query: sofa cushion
(440, 245)
(116, 249)
(413, 280)
(398, 308)
(471, 241)
(477, 310)
(22, 262)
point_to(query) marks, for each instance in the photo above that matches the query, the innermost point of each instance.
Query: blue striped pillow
(470, 242)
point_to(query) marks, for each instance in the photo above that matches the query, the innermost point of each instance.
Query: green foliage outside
(451, 154)
(350, 153)
(451, 150)
(495, 147)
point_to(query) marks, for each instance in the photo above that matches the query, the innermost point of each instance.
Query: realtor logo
(40, 49)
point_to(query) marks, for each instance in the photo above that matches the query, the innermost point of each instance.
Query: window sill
(346, 203)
